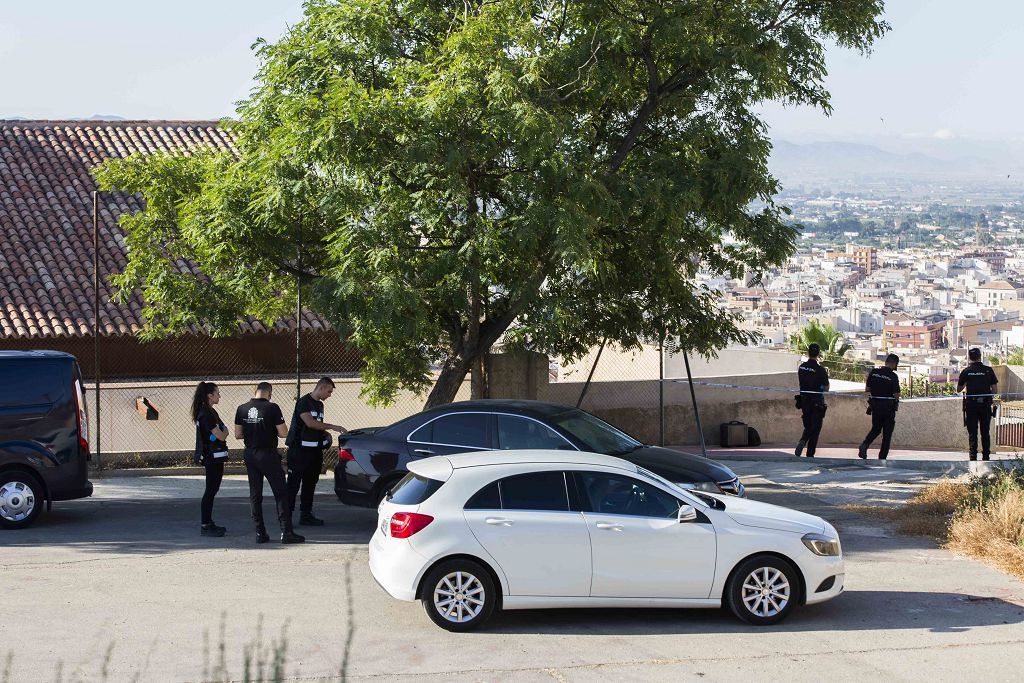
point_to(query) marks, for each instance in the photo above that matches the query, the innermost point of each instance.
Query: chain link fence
(140, 408)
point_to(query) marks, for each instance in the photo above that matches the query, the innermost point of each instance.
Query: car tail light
(405, 524)
(345, 454)
(82, 418)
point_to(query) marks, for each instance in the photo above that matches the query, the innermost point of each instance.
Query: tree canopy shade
(446, 174)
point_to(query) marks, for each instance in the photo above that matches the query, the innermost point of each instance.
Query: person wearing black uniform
(813, 378)
(259, 423)
(211, 450)
(307, 439)
(883, 387)
(978, 382)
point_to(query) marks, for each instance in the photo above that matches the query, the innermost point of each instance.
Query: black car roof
(522, 406)
(25, 355)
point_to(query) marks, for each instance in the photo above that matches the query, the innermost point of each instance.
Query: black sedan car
(371, 461)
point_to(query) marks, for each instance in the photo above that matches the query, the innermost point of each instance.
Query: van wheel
(763, 590)
(21, 499)
(459, 595)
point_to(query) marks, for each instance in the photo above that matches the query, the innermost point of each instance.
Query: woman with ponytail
(211, 450)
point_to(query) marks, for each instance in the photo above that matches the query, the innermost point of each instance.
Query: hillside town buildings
(927, 292)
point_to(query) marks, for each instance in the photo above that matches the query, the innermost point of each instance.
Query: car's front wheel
(21, 499)
(459, 595)
(763, 590)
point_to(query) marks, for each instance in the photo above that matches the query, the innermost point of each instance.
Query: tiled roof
(46, 254)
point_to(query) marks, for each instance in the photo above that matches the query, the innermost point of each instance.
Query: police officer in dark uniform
(883, 387)
(259, 423)
(813, 378)
(978, 382)
(306, 441)
(211, 451)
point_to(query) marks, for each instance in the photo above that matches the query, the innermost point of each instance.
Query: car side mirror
(687, 514)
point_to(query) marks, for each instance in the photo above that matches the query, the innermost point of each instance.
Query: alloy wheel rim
(17, 501)
(766, 592)
(459, 597)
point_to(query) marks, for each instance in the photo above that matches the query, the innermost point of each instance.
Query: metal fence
(139, 400)
(1010, 425)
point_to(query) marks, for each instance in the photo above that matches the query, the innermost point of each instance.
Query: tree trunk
(448, 382)
(478, 379)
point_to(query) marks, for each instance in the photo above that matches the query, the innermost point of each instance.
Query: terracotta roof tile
(46, 222)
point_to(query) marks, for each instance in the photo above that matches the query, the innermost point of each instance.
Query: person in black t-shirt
(259, 423)
(307, 439)
(211, 450)
(813, 380)
(978, 382)
(883, 387)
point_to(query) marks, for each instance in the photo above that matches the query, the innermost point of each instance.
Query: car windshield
(710, 501)
(597, 435)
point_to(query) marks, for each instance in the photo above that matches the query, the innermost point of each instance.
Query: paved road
(124, 583)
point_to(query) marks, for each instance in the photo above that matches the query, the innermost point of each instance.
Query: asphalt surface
(122, 587)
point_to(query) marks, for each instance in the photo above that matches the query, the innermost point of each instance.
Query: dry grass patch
(993, 532)
(926, 514)
(982, 517)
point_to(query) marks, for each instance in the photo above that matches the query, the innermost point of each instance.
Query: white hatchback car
(472, 533)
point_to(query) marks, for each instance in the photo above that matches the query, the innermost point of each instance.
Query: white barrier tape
(845, 394)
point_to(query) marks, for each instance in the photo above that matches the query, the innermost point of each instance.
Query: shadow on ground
(166, 526)
(851, 611)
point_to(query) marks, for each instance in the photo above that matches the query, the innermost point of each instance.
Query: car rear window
(413, 490)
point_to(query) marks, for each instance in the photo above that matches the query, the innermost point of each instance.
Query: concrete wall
(617, 365)
(633, 407)
(1011, 380)
(126, 431)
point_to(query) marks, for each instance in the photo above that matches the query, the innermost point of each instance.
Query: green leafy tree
(830, 340)
(834, 348)
(438, 176)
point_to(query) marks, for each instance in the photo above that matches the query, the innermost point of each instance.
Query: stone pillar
(516, 375)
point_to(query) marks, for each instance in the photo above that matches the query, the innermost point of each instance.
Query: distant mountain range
(827, 160)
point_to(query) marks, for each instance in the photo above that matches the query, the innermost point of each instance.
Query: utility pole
(696, 410)
(96, 319)
(298, 313)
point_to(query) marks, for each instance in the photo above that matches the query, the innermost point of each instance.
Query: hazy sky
(948, 69)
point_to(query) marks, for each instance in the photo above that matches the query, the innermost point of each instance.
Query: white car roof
(441, 467)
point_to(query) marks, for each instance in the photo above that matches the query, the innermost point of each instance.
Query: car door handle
(424, 451)
(499, 521)
(609, 526)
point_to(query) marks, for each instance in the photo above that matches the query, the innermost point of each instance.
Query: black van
(44, 434)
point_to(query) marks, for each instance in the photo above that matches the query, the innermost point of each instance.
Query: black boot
(862, 451)
(212, 530)
(800, 447)
(289, 537)
(307, 519)
(261, 535)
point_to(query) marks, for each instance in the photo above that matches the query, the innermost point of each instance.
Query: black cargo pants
(979, 416)
(813, 416)
(263, 464)
(304, 465)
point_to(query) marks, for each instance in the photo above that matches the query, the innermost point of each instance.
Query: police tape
(844, 394)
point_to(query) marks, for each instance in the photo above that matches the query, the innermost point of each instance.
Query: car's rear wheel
(763, 590)
(21, 499)
(459, 595)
